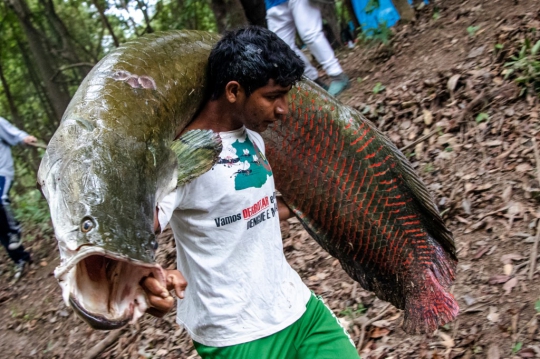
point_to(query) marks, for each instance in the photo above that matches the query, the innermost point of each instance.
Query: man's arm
(284, 212)
(159, 298)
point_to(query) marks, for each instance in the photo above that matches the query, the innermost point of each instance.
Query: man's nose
(282, 107)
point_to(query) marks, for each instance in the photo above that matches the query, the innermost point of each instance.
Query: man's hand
(159, 298)
(29, 140)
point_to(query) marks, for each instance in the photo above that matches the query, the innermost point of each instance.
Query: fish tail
(429, 307)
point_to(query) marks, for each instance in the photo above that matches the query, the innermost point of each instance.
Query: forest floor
(443, 75)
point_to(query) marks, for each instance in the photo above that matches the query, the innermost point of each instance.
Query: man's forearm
(284, 212)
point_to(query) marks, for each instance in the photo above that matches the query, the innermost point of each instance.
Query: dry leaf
(507, 194)
(452, 82)
(428, 117)
(509, 285)
(527, 353)
(499, 279)
(447, 340)
(508, 269)
(493, 316)
(508, 258)
(523, 167)
(379, 333)
(493, 352)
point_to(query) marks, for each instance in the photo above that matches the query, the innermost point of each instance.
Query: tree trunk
(67, 50)
(328, 12)
(57, 92)
(228, 13)
(106, 21)
(405, 11)
(255, 12)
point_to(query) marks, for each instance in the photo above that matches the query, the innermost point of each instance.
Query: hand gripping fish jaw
(104, 289)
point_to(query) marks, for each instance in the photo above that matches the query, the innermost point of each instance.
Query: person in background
(10, 229)
(286, 17)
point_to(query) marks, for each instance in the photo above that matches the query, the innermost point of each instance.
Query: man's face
(265, 106)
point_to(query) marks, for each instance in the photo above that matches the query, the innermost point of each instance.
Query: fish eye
(87, 224)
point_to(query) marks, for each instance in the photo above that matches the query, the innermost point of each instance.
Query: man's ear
(233, 91)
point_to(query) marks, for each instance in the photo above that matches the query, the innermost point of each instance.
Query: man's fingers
(176, 281)
(161, 304)
(153, 286)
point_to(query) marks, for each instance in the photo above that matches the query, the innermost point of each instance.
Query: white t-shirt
(229, 248)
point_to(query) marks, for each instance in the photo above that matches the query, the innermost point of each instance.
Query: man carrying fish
(240, 298)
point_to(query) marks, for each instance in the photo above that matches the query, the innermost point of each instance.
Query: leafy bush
(525, 67)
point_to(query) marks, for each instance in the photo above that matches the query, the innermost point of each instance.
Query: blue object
(271, 3)
(371, 14)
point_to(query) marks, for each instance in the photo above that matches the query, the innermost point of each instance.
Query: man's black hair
(252, 56)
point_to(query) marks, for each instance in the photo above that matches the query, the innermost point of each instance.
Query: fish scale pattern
(359, 198)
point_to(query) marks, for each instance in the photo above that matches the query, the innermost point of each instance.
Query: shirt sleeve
(167, 206)
(11, 134)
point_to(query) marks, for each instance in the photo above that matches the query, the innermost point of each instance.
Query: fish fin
(439, 231)
(426, 309)
(197, 151)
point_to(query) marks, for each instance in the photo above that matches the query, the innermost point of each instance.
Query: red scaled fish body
(360, 199)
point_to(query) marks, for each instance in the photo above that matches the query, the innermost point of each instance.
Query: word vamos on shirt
(260, 211)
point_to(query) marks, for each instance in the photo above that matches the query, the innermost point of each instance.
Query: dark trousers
(8, 223)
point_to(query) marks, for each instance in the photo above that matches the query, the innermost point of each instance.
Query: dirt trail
(442, 75)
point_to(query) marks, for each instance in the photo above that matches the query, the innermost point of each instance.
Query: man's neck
(216, 115)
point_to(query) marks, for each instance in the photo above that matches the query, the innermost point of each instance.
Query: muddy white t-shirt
(229, 247)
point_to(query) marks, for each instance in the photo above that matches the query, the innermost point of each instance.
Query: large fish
(114, 157)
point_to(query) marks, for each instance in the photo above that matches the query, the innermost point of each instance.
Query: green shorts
(316, 335)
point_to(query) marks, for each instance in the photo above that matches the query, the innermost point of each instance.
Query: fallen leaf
(379, 333)
(481, 252)
(428, 117)
(508, 258)
(527, 353)
(508, 269)
(509, 285)
(499, 279)
(493, 316)
(447, 340)
(493, 143)
(476, 52)
(466, 205)
(452, 82)
(507, 194)
(493, 352)
(523, 167)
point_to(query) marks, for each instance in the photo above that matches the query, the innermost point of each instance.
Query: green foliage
(353, 312)
(187, 14)
(381, 34)
(524, 67)
(471, 30)
(537, 306)
(371, 5)
(31, 210)
(436, 13)
(428, 168)
(517, 347)
(482, 116)
(378, 88)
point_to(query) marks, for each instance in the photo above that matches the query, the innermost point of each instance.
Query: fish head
(101, 189)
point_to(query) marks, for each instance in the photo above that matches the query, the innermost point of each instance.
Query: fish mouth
(104, 288)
